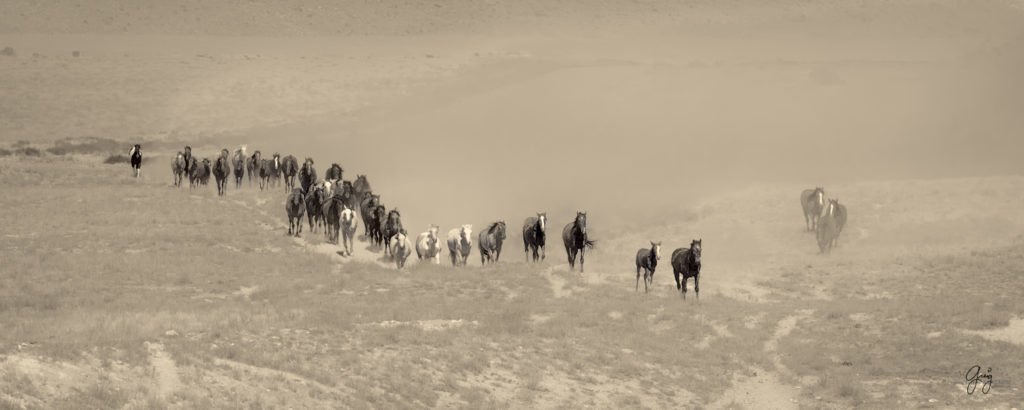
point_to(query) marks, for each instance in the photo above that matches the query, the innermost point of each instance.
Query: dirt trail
(165, 371)
(763, 389)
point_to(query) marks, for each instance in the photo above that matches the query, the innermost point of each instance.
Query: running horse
(307, 175)
(221, 171)
(295, 206)
(391, 228)
(574, 236)
(685, 265)
(253, 166)
(827, 230)
(366, 207)
(348, 229)
(534, 235)
(647, 260)
(460, 244)
(314, 211)
(490, 241)
(812, 201)
(428, 245)
(290, 168)
(178, 168)
(238, 163)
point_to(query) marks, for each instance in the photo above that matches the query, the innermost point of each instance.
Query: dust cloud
(634, 115)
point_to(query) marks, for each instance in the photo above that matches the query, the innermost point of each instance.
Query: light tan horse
(428, 245)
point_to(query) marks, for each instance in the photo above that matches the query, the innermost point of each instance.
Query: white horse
(348, 229)
(400, 248)
(328, 188)
(428, 245)
(460, 243)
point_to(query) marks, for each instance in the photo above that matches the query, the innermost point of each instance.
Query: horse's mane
(493, 227)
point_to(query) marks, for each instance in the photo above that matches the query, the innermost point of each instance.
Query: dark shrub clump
(29, 152)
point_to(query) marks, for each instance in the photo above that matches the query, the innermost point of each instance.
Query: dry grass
(253, 319)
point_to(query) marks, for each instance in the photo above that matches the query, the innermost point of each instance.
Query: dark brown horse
(290, 168)
(334, 173)
(647, 260)
(221, 171)
(253, 165)
(686, 263)
(392, 226)
(314, 208)
(574, 236)
(377, 221)
(295, 206)
(362, 187)
(238, 163)
(366, 207)
(332, 209)
(307, 175)
(535, 235)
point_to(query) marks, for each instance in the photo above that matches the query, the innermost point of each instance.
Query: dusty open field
(665, 120)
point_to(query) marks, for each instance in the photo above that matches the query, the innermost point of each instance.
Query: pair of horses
(825, 219)
(460, 243)
(685, 264)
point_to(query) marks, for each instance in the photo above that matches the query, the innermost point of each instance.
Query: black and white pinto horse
(238, 163)
(290, 168)
(307, 175)
(535, 236)
(392, 227)
(574, 236)
(647, 260)
(295, 206)
(460, 244)
(178, 169)
(686, 263)
(135, 154)
(812, 201)
(221, 171)
(490, 241)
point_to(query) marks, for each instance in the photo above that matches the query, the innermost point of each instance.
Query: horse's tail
(589, 244)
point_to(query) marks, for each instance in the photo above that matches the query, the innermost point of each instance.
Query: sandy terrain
(664, 120)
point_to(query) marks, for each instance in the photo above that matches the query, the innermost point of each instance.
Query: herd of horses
(331, 204)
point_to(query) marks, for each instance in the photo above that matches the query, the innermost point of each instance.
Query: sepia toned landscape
(664, 122)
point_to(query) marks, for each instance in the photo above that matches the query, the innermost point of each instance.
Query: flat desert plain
(664, 121)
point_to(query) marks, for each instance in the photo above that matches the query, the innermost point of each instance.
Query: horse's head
(656, 250)
(499, 230)
(188, 149)
(257, 154)
(394, 215)
(542, 220)
(224, 153)
(432, 232)
(308, 162)
(179, 156)
(400, 239)
(695, 247)
(581, 221)
(819, 194)
(831, 209)
(466, 234)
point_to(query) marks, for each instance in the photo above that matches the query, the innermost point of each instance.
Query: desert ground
(665, 121)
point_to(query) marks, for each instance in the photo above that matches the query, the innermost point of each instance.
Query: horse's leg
(583, 251)
(683, 288)
(572, 256)
(542, 252)
(696, 286)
